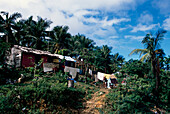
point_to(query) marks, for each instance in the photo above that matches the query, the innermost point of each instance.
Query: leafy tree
(136, 67)
(97, 59)
(152, 53)
(20, 33)
(116, 62)
(105, 51)
(167, 62)
(7, 23)
(78, 43)
(32, 38)
(59, 37)
(4, 47)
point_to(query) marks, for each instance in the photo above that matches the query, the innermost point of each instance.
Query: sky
(120, 24)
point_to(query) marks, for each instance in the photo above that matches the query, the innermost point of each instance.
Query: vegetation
(146, 89)
(153, 53)
(138, 96)
(48, 94)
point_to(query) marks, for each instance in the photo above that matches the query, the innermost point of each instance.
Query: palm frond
(139, 51)
(15, 16)
(145, 57)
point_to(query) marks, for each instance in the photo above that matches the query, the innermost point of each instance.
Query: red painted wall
(44, 58)
(28, 60)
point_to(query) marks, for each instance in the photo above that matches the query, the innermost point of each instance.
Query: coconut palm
(152, 52)
(85, 42)
(105, 51)
(74, 46)
(59, 37)
(7, 23)
(20, 32)
(116, 61)
(39, 36)
(36, 31)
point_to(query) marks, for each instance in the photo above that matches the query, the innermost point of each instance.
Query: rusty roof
(40, 52)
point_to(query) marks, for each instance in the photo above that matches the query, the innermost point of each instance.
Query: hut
(28, 57)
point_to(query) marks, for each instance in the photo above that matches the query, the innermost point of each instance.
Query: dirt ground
(93, 105)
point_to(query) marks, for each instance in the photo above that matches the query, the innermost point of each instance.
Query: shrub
(137, 96)
(46, 95)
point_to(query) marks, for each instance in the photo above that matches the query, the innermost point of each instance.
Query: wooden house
(28, 57)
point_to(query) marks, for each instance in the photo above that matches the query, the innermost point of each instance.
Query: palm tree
(116, 61)
(79, 43)
(98, 58)
(35, 32)
(82, 46)
(105, 50)
(39, 36)
(59, 37)
(20, 32)
(7, 23)
(27, 26)
(152, 52)
(74, 46)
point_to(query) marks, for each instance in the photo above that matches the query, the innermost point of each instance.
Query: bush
(9, 72)
(46, 94)
(137, 96)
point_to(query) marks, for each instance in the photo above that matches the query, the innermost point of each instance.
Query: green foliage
(116, 62)
(4, 47)
(46, 96)
(137, 96)
(7, 73)
(133, 67)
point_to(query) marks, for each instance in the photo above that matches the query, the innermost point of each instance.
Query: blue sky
(121, 24)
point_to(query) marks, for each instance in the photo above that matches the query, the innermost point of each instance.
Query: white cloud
(110, 42)
(74, 5)
(126, 27)
(145, 18)
(113, 37)
(53, 10)
(105, 22)
(114, 21)
(139, 38)
(166, 23)
(141, 27)
(72, 13)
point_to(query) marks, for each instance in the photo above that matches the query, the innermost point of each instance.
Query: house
(28, 57)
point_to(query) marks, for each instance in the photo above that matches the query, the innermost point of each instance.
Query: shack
(28, 57)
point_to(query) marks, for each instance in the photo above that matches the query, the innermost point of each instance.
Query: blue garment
(70, 79)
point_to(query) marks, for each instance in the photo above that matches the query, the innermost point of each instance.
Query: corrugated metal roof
(40, 52)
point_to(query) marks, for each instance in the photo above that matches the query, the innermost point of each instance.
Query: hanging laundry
(90, 72)
(49, 66)
(107, 76)
(66, 69)
(72, 71)
(78, 70)
(108, 83)
(100, 75)
(113, 76)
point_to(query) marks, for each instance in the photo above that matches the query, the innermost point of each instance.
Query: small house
(28, 57)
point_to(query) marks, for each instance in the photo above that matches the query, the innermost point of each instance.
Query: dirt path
(96, 102)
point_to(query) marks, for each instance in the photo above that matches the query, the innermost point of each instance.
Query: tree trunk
(157, 74)
(156, 71)
(86, 73)
(105, 67)
(6, 38)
